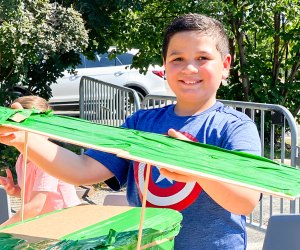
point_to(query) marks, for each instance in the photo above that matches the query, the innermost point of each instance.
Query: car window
(102, 60)
(125, 59)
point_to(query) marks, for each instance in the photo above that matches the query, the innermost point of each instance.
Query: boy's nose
(190, 68)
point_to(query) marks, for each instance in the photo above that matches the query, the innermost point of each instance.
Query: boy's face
(194, 67)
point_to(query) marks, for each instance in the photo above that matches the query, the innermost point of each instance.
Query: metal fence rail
(106, 103)
(273, 122)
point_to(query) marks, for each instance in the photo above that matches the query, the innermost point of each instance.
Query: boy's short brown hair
(197, 22)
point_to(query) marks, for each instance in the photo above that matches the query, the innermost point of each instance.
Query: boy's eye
(201, 58)
(178, 59)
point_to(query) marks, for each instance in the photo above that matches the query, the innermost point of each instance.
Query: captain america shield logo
(164, 192)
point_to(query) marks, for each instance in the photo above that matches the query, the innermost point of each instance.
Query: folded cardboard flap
(18, 117)
(57, 225)
(115, 226)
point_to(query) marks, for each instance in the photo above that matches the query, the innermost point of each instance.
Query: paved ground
(255, 239)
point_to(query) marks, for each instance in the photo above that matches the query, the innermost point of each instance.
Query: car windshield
(102, 60)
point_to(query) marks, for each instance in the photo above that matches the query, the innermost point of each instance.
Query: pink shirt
(60, 194)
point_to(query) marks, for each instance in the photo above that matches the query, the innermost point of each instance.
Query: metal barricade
(106, 103)
(273, 122)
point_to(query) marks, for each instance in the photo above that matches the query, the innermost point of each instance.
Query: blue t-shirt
(206, 225)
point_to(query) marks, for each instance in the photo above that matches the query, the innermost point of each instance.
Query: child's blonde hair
(32, 101)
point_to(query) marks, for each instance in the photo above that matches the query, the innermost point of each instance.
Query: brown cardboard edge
(56, 225)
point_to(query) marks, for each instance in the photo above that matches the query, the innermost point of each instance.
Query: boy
(196, 59)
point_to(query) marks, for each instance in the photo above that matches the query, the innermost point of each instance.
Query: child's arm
(238, 200)
(55, 160)
(31, 209)
(8, 183)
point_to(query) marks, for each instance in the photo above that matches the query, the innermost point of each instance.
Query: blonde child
(43, 192)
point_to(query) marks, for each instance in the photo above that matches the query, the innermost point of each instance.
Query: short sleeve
(118, 166)
(243, 136)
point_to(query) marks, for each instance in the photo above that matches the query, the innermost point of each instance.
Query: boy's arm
(235, 199)
(31, 209)
(55, 160)
(238, 200)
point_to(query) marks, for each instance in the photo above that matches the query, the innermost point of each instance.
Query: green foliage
(8, 157)
(37, 43)
(264, 38)
(270, 35)
(40, 40)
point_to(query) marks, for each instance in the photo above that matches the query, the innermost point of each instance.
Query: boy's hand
(177, 176)
(176, 134)
(9, 185)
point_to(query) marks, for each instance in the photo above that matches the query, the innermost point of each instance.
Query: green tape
(117, 232)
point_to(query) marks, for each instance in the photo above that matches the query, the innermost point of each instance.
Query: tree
(38, 41)
(264, 42)
(98, 20)
(267, 52)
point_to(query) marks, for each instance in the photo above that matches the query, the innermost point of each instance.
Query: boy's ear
(226, 66)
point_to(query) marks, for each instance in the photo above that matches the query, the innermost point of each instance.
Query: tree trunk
(243, 63)
(276, 62)
(236, 23)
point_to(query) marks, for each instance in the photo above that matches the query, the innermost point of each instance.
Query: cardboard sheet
(116, 227)
(57, 225)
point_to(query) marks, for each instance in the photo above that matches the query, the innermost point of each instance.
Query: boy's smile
(194, 69)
